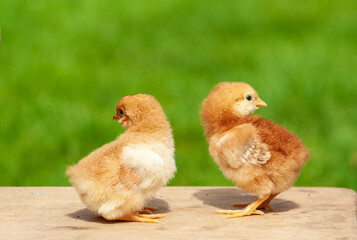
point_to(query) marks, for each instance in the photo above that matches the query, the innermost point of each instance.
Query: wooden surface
(300, 213)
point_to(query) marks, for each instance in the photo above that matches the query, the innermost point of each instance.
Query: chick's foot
(265, 204)
(240, 213)
(151, 216)
(144, 211)
(261, 206)
(145, 218)
(148, 210)
(151, 208)
(249, 210)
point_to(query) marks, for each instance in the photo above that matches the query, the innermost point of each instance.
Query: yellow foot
(145, 211)
(148, 210)
(261, 206)
(146, 218)
(249, 210)
(151, 208)
(152, 216)
(240, 213)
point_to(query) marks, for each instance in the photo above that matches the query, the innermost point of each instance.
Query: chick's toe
(261, 206)
(245, 212)
(136, 218)
(144, 211)
(249, 210)
(150, 208)
(265, 204)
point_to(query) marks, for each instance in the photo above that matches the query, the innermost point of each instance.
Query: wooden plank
(300, 213)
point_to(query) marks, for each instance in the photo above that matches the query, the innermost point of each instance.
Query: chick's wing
(126, 178)
(242, 145)
(141, 166)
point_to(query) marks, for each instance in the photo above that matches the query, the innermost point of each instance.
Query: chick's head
(246, 100)
(231, 99)
(138, 110)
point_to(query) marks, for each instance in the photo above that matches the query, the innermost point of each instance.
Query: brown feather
(285, 152)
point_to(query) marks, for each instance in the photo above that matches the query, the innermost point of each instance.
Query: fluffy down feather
(259, 156)
(116, 180)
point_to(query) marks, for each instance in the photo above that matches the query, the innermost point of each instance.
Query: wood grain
(300, 213)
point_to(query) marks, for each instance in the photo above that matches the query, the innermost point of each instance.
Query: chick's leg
(140, 218)
(249, 210)
(265, 204)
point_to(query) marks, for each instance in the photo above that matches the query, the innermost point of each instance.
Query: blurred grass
(65, 64)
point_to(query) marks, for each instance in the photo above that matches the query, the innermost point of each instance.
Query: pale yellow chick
(116, 180)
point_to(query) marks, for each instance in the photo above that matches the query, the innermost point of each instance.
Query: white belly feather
(153, 162)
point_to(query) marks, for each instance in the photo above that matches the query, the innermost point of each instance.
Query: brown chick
(259, 156)
(116, 180)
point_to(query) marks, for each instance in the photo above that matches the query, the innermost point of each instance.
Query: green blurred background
(65, 64)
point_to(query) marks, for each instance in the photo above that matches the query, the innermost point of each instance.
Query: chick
(259, 156)
(116, 180)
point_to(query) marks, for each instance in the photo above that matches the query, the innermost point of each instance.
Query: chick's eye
(121, 111)
(248, 97)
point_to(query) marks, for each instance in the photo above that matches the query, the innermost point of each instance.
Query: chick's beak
(115, 117)
(260, 103)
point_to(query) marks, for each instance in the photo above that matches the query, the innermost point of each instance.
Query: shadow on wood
(223, 199)
(301, 213)
(86, 215)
